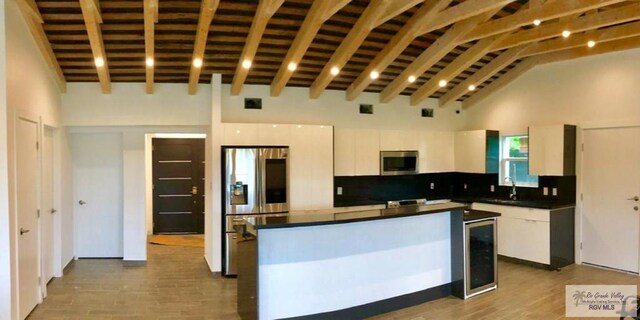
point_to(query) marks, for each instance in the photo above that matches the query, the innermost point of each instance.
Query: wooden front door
(178, 186)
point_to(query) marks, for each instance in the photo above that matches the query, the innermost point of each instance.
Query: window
(514, 162)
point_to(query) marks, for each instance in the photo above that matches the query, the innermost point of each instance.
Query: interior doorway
(611, 191)
(178, 186)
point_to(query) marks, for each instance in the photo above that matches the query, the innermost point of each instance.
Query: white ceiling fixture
(374, 75)
(335, 71)
(197, 62)
(292, 66)
(246, 64)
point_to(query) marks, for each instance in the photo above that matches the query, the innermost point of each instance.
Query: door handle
(82, 203)
(194, 190)
(53, 211)
(23, 231)
(636, 199)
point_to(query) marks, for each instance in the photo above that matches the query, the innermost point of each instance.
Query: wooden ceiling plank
(579, 40)
(460, 64)
(349, 45)
(588, 22)
(207, 11)
(92, 20)
(397, 44)
(265, 11)
(501, 82)
(36, 29)
(394, 8)
(462, 11)
(317, 15)
(497, 64)
(150, 19)
(550, 10)
(434, 53)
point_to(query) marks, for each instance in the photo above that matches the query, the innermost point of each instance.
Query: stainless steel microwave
(398, 162)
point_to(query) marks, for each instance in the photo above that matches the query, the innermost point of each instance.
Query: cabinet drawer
(524, 239)
(515, 212)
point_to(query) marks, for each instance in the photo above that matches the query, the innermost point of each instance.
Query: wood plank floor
(176, 284)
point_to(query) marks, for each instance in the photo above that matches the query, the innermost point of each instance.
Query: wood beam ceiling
(265, 11)
(34, 22)
(207, 11)
(92, 20)
(150, 20)
(320, 11)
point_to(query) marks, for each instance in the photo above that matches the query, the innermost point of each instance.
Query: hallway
(175, 284)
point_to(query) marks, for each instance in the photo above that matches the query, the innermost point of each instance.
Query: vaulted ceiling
(414, 46)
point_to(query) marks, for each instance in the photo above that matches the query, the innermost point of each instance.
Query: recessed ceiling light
(472, 87)
(292, 66)
(536, 22)
(374, 75)
(442, 83)
(99, 62)
(566, 33)
(246, 64)
(591, 43)
(149, 62)
(197, 62)
(335, 71)
(412, 79)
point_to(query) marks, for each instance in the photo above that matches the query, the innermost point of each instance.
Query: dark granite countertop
(473, 215)
(538, 204)
(300, 219)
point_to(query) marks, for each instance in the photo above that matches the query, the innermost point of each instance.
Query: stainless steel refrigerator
(255, 182)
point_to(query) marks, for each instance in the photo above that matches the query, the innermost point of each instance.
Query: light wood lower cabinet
(541, 236)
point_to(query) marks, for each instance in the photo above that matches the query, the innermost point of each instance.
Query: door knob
(82, 203)
(635, 208)
(636, 199)
(194, 190)
(23, 231)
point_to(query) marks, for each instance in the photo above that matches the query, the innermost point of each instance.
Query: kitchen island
(350, 264)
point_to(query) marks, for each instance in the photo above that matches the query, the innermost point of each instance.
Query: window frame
(505, 160)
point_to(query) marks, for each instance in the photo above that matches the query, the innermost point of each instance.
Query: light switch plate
(339, 191)
(554, 191)
(432, 185)
(493, 188)
(545, 191)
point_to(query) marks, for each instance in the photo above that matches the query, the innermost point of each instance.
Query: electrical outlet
(465, 186)
(432, 185)
(493, 188)
(545, 191)
(339, 191)
(554, 191)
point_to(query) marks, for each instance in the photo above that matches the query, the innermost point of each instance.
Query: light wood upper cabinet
(477, 151)
(552, 150)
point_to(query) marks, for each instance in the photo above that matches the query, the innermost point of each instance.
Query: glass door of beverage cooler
(481, 257)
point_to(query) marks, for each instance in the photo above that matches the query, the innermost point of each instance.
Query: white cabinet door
(546, 150)
(535, 241)
(344, 152)
(322, 177)
(470, 151)
(274, 134)
(398, 140)
(311, 173)
(367, 152)
(240, 134)
(436, 151)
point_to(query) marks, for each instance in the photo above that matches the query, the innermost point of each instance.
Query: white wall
(30, 89)
(331, 108)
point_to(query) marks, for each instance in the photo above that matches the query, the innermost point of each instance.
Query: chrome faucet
(513, 195)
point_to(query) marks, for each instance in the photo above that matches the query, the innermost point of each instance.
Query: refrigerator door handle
(259, 181)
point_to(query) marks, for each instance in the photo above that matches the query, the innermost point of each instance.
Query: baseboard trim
(134, 263)
(69, 266)
(383, 306)
(525, 262)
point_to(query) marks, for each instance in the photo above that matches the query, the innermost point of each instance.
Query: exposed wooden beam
(33, 19)
(319, 12)
(628, 30)
(457, 66)
(501, 82)
(396, 45)
(207, 11)
(528, 63)
(265, 11)
(150, 19)
(497, 64)
(429, 17)
(92, 21)
(588, 22)
(432, 55)
(375, 10)
(395, 8)
(550, 10)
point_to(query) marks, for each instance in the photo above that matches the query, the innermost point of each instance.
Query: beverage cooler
(481, 257)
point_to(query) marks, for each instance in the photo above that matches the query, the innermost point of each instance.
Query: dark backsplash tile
(369, 190)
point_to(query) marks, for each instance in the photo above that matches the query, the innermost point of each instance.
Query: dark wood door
(178, 186)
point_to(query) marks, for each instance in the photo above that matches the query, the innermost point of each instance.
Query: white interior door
(611, 179)
(46, 216)
(27, 190)
(97, 175)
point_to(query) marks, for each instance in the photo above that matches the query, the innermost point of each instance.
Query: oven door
(398, 162)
